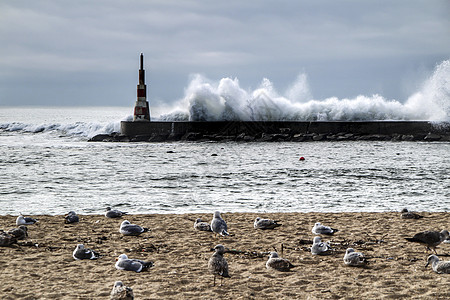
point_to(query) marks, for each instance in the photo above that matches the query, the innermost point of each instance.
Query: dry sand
(395, 270)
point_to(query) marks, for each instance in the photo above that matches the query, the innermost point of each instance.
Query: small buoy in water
(301, 158)
(214, 154)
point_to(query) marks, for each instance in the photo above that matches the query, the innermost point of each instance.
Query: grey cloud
(90, 48)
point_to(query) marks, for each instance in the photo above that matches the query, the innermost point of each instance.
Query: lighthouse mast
(141, 108)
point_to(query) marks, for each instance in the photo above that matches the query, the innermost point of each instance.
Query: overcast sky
(77, 53)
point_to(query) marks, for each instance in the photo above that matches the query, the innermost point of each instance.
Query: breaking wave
(224, 100)
(81, 129)
(206, 100)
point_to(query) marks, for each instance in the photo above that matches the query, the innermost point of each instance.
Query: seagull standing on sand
(405, 214)
(71, 217)
(218, 225)
(431, 239)
(322, 229)
(121, 292)
(135, 265)
(217, 264)
(201, 226)
(21, 220)
(20, 233)
(83, 253)
(126, 228)
(114, 213)
(439, 267)
(319, 247)
(354, 259)
(278, 263)
(265, 224)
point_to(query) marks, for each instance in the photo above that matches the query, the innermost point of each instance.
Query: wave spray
(225, 100)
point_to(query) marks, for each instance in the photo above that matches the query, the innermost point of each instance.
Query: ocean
(48, 167)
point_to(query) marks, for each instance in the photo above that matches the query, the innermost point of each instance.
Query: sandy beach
(42, 267)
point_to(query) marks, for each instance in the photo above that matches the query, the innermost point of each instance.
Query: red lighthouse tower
(141, 108)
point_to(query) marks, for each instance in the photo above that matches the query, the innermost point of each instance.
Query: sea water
(47, 165)
(51, 168)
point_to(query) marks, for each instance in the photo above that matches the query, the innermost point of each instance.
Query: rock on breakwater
(278, 131)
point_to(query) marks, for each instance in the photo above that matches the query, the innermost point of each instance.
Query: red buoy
(301, 158)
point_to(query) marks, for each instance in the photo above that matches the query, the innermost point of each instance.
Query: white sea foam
(206, 100)
(65, 121)
(73, 129)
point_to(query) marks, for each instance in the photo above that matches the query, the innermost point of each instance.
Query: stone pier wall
(280, 131)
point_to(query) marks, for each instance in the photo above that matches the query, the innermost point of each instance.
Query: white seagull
(322, 229)
(114, 213)
(121, 292)
(354, 259)
(136, 265)
(126, 228)
(438, 266)
(265, 223)
(21, 220)
(83, 253)
(278, 263)
(201, 226)
(319, 247)
(218, 225)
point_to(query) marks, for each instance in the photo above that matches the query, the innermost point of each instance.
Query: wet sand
(42, 266)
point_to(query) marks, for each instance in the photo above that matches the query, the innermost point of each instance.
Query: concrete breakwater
(267, 131)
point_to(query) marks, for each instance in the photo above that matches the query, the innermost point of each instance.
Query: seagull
(121, 292)
(20, 233)
(126, 228)
(202, 226)
(405, 214)
(71, 217)
(136, 265)
(21, 220)
(83, 253)
(439, 267)
(265, 223)
(319, 247)
(447, 240)
(322, 229)
(430, 238)
(217, 264)
(114, 213)
(354, 259)
(218, 225)
(6, 239)
(278, 263)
